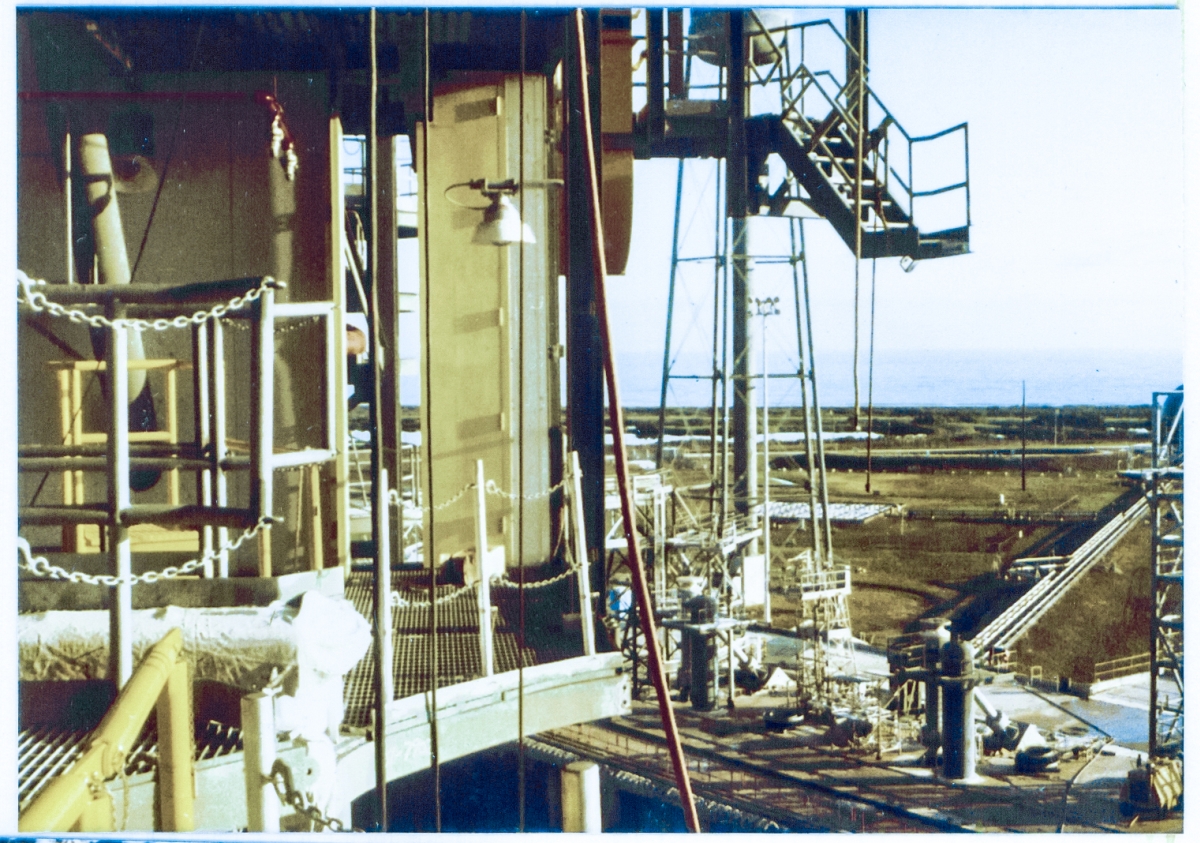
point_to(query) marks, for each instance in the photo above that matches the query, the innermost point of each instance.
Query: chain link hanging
(38, 301)
(490, 488)
(40, 566)
(281, 780)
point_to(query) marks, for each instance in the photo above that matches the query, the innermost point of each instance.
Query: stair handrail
(796, 83)
(76, 799)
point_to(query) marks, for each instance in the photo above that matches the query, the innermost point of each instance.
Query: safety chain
(281, 779)
(402, 602)
(505, 582)
(39, 302)
(40, 566)
(292, 326)
(395, 500)
(490, 488)
(498, 582)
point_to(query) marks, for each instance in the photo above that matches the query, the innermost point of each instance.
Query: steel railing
(77, 800)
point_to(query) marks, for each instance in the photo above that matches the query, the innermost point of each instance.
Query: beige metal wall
(488, 351)
(225, 211)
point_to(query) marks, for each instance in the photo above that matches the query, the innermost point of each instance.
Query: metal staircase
(911, 195)
(823, 158)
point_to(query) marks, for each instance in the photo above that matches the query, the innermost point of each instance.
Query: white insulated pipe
(112, 261)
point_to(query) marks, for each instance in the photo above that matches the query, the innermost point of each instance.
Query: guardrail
(78, 800)
(1116, 668)
(1018, 618)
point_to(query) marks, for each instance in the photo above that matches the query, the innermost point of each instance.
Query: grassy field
(905, 570)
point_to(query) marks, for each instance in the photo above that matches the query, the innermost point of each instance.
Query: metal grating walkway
(457, 637)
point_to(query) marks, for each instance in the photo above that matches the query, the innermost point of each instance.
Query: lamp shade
(502, 224)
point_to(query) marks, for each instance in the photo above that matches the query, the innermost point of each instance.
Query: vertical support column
(383, 603)
(744, 470)
(1155, 534)
(585, 376)
(258, 738)
(579, 548)
(120, 651)
(654, 73)
(675, 80)
(176, 774)
(386, 297)
(481, 564)
(766, 483)
(337, 285)
(316, 553)
(202, 420)
(216, 386)
(581, 797)
(262, 400)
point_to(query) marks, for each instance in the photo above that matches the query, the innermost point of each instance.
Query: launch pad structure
(313, 355)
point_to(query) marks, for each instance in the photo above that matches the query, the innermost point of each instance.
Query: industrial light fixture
(502, 224)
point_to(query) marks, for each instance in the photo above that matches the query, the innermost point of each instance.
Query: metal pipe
(216, 368)
(654, 73)
(484, 597)
(624, 487)
(112, 262)
(1155, 533)
(804, 380)
(578, 528)
(765, 308)
(121, 650)
(176, 751)
(202, 420)
(666, 366)
(258, 739)
(812, 372)
(675, 76)
(379, 492)
(63, 800)
(68, 210)
(434, 754)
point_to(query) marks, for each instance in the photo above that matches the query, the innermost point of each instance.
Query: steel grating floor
(457, 641)
(44, 752)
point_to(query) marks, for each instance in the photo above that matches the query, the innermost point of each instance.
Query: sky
(1076, 161)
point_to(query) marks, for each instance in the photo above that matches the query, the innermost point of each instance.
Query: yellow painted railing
(78, 800)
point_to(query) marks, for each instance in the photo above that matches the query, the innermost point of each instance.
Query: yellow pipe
(73, 794)
(176, 785)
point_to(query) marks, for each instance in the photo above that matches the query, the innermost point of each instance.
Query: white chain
(39, 302)
(505, 582)
(397, 600)
(40, 566)
(490, 487)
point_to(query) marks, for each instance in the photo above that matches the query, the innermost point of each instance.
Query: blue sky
(1076, 146)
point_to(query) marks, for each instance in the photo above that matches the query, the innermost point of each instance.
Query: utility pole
(1022, 436)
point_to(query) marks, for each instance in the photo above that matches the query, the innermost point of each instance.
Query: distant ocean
(936, 379)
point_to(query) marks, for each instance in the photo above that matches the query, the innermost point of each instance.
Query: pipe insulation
(241, 647)
(108, 237)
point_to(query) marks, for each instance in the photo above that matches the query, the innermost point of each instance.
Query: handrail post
(176, 774)
(579, 548)
(484, 598)
(258, 738)
(73, 800)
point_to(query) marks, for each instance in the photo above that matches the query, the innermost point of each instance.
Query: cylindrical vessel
(702, 653)
(707, 38)
(958, 698)
(935, 634)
